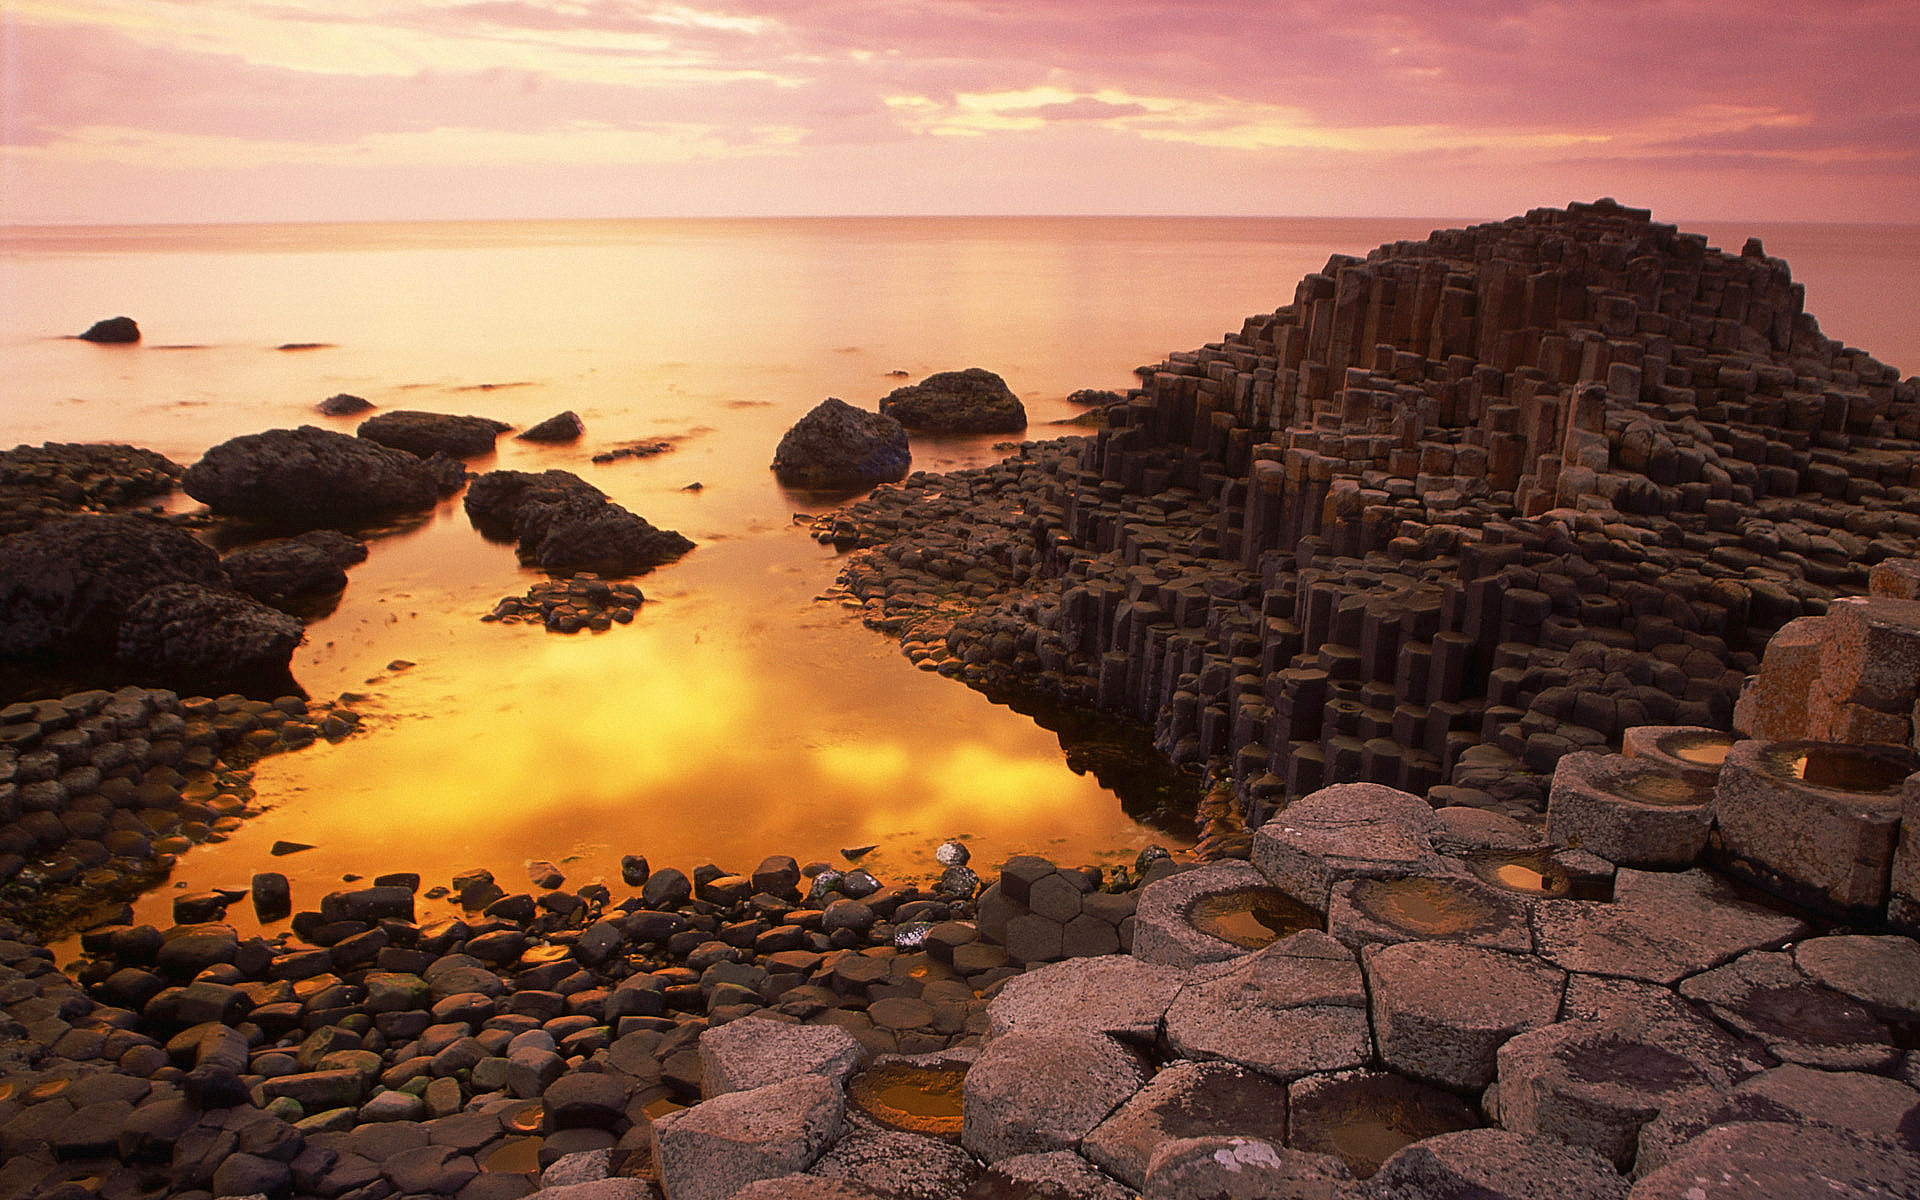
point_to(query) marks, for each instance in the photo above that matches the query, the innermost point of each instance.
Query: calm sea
(740, 715)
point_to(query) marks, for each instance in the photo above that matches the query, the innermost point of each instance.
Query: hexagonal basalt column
(1441, 1010)
(1420, 908)
(1693, 752)
(1216, 912)
(1818, 818)
(1348, 831)
(1631, 811)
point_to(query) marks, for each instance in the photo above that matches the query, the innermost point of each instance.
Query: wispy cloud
(1479, 106)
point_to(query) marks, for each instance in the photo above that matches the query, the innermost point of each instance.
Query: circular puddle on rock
(525, 1119)
(1250, 918)
(514, 1156)
(1367, 1117)
(1531, 873)
(1428, 907)
(1668, 791)
(1841, 768)
(1700, 748)
(926, 1100)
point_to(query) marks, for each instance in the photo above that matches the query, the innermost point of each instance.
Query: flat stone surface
(1116, 994)
(1441, 1010)
(1462, 829)
(754, 1052)
(717, 1147)
(1595, 1083)
(1291, 1009)
(1350, 830)
(1233, 1168)
(1882, 973)
(1186, 1100)
(1659, 928)
(1364, 1117)
(1162, 931)
(1497, 1164)
(1783, 1162)
(1034, 1091)
(1766, 997)
(805, 1187)
(1055, 1175)
(904, 1166)
(1795, 1095)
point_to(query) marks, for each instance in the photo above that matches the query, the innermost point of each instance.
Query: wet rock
(561, 427)
(40, 484)
(561, 523)
(1496, 1164)
(837, 446)
(1031, 1092)
(66, 587)
(1353, 830)
(1454, 908)
(1364, 1117)
(425, 434)
(1165, 930)
(197, 638)
(309, 476)
(295, 571)
(717, 1147)
(971, 401)
(343, 405)
(112, 331)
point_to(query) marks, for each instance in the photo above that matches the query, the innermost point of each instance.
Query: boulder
(112, 331)
(755, 1052)
(310, 476)
(971, 401)
(65, 587)
(425, 434)
(290, 571)
(563, 524)
(343, 405)
(838, 446)
(195, 638)
(560, 427)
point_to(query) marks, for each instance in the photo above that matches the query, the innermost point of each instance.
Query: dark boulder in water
(118, 331)
(311, 476)
(425, 434)
(196, 638)
(292, 572)
(839, 446)
(65, 586)
(561, 427)
(343, 405)
(562, 524)
(971, 401)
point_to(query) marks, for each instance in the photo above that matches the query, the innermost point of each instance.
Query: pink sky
(235, 110)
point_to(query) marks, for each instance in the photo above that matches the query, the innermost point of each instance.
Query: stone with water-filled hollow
(1630, 811)
(1211, 913)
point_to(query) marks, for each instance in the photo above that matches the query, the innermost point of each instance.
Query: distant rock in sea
(343, 405)
(112, 331)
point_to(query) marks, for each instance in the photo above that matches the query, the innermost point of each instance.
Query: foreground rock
(112, 330)
(562, 524)
(425, 434)
(971, 401)
(65, 587)
(310, 476)
(197, 638)
(838, 446)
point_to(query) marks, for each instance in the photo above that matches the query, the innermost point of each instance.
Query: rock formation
(838, 446)
(112, 331)
(310, 476)
(425, 434)
(562, 524)
(971, 401)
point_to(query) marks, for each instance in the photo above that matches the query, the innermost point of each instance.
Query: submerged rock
(113, 330)
(310, 476)
(839, 446)
(971, 401)
(343, 405)
(425, 434)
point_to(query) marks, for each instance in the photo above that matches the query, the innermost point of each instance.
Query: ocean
(741, 714)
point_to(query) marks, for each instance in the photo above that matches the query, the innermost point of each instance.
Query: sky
(226, 110)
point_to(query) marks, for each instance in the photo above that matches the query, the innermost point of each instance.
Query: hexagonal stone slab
(756, 1051)
(1659, 928)
(1031, 1092)
(1595, 1083)
(1441, 1010)
(1234, 1168)
(1765, 996)
(1168, 923)
(719, 1146)
(1055, 1175)
(1297, 1007)
(1784, 1162)
(1795, 1095)
(1881, 973)
(1116, 994)
(1428, 907)
(1365, 1117)
(1497, 1164)
(1187, 1100)
(1350, 830)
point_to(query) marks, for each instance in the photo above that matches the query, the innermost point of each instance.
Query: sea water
(742, 713)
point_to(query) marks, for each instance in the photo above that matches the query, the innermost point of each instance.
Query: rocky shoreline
(1536, 594)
